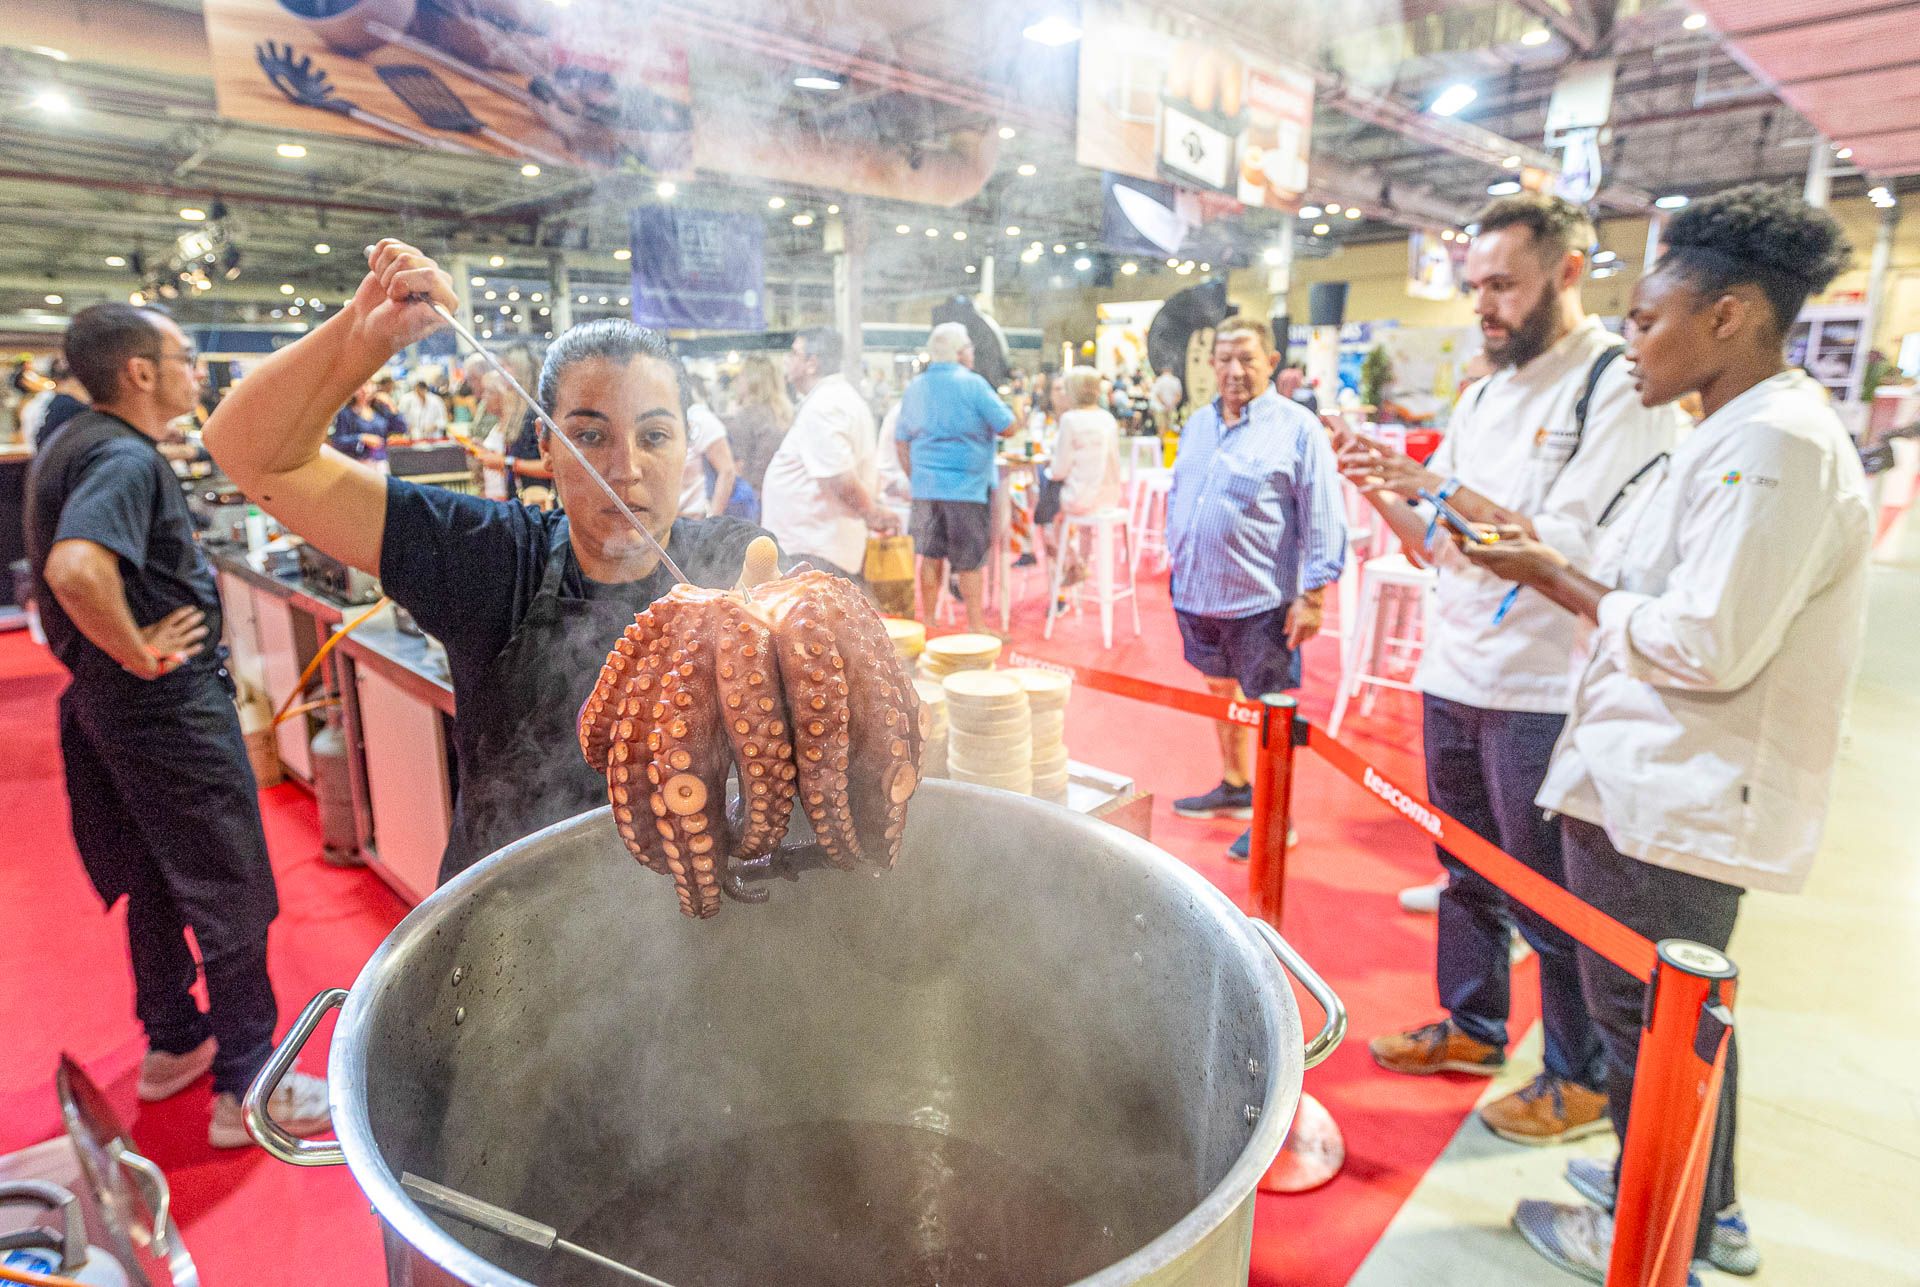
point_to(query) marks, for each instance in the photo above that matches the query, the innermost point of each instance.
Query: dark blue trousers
(1484, 768)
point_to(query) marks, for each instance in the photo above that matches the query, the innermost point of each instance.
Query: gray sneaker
(1730, 1249)
(164, 1075)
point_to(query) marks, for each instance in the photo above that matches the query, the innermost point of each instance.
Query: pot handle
(266, 1132)
(1335, 1026)
(157, 1194)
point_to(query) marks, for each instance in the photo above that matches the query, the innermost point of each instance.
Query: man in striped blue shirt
(1257, 529)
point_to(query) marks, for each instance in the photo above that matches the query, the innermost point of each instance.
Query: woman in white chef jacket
(1726, 597)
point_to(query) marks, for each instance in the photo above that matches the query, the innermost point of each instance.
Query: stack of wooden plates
(909, 638)
(1047, 694)
(950, 654)
(933, 728)
(990, 732)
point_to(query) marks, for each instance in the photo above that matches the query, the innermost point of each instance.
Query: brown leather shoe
(1548, 1110)
(1436, 1048)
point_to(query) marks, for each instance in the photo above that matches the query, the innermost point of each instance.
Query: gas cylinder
(60, 1248)
(333, 792)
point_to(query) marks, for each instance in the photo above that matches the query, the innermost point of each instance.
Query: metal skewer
(553, 428)
(485, 1215)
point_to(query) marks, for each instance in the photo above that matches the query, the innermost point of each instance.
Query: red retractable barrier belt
(1592, 927)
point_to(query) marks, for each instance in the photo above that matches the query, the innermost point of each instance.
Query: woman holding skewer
(526, 602)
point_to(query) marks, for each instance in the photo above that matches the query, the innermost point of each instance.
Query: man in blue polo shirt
(950, 422)
(1257, 530)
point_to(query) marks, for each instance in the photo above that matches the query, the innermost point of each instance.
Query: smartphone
(1454, 519)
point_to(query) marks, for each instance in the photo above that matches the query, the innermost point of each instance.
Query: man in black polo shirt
(162, 797)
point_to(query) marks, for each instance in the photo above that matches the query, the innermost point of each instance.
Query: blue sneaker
(1241, 849)
(1730, 1249)
(1222, 802)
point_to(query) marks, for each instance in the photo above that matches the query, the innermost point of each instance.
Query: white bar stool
(1105, 524)
(1143, 452)
(1148, 520)
(1364, 657)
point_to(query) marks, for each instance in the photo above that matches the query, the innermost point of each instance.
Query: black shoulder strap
(1580, 408)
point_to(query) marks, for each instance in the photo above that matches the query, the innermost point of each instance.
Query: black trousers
(1657, 903)
(1484, 767)
(165, 813)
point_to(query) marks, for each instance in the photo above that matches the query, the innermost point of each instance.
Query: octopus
(790, 682)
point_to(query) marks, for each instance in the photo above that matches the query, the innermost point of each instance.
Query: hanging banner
(1434, 265)
(698, 269)
(1157, 104)
(1120, 335)
(590, 83)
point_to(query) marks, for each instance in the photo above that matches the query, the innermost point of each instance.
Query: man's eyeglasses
(188, 356)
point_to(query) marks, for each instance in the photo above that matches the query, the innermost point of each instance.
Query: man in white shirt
(821, 495)
(1543, 443)
(707, 444)
(424, 411)
(1726, 599)
(1166, 398)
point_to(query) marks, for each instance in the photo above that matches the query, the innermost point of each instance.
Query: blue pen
(1506, 604)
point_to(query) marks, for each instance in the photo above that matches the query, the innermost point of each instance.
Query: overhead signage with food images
(588, 84)
(1158, 103)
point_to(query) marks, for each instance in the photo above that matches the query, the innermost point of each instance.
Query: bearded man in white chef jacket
(1724, 602)
(1543, 442)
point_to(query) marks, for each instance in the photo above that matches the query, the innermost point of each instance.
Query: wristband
(1447, 489)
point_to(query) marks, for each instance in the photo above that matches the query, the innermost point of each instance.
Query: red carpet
(64, 983)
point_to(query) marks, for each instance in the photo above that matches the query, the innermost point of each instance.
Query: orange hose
(300, 685)
(31, 1279)
(304, 707)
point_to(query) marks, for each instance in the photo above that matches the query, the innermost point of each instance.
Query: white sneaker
(162, 1076)
(298, 1104)
(1422, 900)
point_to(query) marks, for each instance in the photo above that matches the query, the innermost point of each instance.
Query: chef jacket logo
(1732, 477)
(1551, 442)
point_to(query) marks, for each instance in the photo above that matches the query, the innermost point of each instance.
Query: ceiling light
(1013, 230)
(116, 261)
(1845, 153)
(959, 234)
(1504, 188)
(477, 281)
(933, 232)
(487, 334)
(1694, 21)
(277, 313)
(1333, 207)
(1059, 248)
(493, 294)
(293, 310)
(972, 269)
(1030, 255)
(513, 294)
(56, 299)
(48, 51)
(1129, 268)
(505, 309)
(192, 214)
(603, 299)
(666, 189)
(623, 254)
(1272, 255)
(803, 220)
(1353, 212)
(1603, 273)
(1673, 202)
(1311, 212)
(1079, 245)
(286, 288)
(1537, 36)
(902, 229)
(1185, 268)
(1173, 263)
(1083, 263)
(1206, 268)
(292, 151)
(537, 297)
(52, 100)
(496, 261)
(1007, 131)
(1028, 170)
(1452, 99)
(833, 209)
(1321, 229)
(583, 299)
(530, 171)
(1604, 257)
(137, 300)
(1510, 163)
(776, 203)
(1446, 234)
(1053, 30)
(299, 299)
(322, 248)
(546, 312)
(815, 80)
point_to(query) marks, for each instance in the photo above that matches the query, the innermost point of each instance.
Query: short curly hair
(1559, 227)
(1758, 236)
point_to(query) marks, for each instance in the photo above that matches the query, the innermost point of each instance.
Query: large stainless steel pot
(1041, 1050)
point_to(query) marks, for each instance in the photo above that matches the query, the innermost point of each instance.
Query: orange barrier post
(1676, 1100)
(1272, 804)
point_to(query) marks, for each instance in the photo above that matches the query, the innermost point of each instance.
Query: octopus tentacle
(689, 767)
(815, 676)
(754, 715)
(884, 726)
(601, 709)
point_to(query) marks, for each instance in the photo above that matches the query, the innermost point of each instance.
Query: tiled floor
(1829, 1022)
